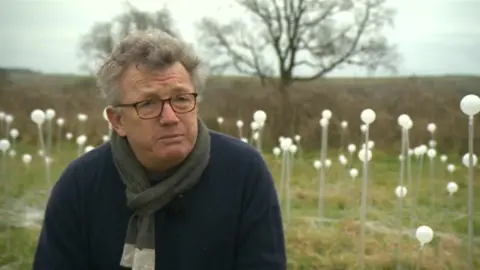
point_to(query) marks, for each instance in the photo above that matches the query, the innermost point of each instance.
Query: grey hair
(152, 49)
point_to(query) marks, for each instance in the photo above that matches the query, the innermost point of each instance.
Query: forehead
(137, 81)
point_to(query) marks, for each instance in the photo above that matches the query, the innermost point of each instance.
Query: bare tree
(291, 37)
(102, 37)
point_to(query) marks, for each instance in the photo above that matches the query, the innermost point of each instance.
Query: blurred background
(421, 54)
(293, 59)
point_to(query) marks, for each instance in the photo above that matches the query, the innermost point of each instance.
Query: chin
(172, 151)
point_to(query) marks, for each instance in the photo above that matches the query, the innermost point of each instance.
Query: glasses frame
(163, 101)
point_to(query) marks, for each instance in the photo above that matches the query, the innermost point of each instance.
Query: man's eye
(181, 99)
(147, 103)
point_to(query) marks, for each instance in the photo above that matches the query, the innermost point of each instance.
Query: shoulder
(229, 149)
(83, 170)
(240, 162)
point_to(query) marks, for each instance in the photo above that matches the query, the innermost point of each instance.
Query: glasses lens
(149, 108)
(153, 108)
(183, 103)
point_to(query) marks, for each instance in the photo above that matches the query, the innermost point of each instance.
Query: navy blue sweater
(229, 220)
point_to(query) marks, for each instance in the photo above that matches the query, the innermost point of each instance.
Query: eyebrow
(152, 92)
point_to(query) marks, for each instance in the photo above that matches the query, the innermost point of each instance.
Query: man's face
(170, 137)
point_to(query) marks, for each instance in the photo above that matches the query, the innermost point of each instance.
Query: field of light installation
(346, 208)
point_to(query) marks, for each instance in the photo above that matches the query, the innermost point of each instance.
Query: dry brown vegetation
(425, 99)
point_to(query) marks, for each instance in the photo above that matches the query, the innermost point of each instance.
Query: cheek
(191, 128)
(141, 130)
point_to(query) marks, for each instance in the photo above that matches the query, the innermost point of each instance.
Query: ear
(115, 118)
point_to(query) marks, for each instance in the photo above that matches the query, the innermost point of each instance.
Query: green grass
(330, 242)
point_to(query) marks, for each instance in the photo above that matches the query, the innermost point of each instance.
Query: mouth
(170, 137)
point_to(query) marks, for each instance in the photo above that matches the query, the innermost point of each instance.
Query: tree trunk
(288, 113)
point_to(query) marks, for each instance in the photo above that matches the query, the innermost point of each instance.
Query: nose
(168, 115)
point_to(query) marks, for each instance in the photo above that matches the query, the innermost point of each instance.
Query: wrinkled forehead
(138, 80)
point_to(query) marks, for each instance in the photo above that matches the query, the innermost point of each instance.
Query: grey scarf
(145, 199)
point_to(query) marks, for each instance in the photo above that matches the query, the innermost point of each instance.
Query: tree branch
(285, 35)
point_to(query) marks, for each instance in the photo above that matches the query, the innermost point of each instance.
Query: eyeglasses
(153, 108)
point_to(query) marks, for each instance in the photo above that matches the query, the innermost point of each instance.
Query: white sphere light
(256, 135)
(409, 124)
(8, 118)
(293, 149)
(344, 124)
(452, 187)
(69, 136)
(38, 117)
(285, 144)
(14, 133)
(82, 117)
(60, 122)
(466, 160)
(450, 168)
(323, 122)
(424, 234)
(351, 148)
(317, 164)
(368, 116)
(260, 116)
(48, 160)
(353, 173)
(277, 151)
(49, 114)
(328, 163)
(361, 154)
(297, 138)
(327, 114)
(443, 158)
(431, 128)
(423, 149)
(4, 145)
(81, 140)
(400, 191)
(470, 105)
(363, 128)
(343, 160)
(220, 120)
(254, 125)
(370, 144)
(431, 153)
(88, 148)
(403, 120)
(239, 124)
(26, 159)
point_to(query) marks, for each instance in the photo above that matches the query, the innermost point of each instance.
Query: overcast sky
(434, 36)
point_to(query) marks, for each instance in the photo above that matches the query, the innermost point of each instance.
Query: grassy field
(330, 242)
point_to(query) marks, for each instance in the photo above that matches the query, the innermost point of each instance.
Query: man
(165, 192)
